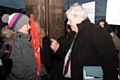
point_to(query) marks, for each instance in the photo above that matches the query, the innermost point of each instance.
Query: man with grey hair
(89, 45)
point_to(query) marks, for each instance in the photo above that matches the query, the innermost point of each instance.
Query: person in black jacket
(63, 40)
(115, 38)
(89, 45)
(45, 50)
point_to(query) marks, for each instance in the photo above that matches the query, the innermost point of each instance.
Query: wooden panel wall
(56, 15)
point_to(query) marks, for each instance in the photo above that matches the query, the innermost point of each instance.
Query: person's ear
(78, 19)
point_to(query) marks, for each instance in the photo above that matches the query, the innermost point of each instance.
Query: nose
(29, 26)
(68, 22)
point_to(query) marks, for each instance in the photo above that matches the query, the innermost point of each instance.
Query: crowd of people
(83, 44)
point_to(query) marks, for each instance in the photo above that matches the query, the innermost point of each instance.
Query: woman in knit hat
(22, 58)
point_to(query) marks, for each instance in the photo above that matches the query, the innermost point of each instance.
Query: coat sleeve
(64, 42)
(19, 70)
(108, 54)
(116, 41)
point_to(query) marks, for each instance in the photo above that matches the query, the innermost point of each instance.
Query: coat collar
(83, 24)
(22, 36)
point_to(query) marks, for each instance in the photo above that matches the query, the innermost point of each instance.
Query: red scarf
(35, 43)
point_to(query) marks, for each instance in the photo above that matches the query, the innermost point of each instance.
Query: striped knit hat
(15, 21)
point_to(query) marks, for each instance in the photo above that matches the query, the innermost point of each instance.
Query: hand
(54, 45)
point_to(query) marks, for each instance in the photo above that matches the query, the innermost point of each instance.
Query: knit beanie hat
(15, 21)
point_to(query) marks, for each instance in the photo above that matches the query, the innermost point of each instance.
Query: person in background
(63, 40)
(115, 38)
(21, 64)
(3, 54)
(89, 45)
(102, 23)
(2, 67)
(45, 50)
(1, 26)
(67, 27)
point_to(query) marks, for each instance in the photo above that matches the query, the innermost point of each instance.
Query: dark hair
(68, 26)
(102, 20)
(106, 26)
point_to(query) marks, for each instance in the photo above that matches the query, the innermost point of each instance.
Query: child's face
(25, 29)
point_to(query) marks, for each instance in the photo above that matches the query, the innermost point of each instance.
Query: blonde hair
(7, 33)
